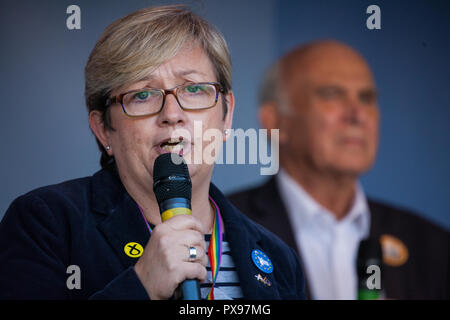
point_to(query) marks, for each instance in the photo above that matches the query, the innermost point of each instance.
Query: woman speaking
(150, 76)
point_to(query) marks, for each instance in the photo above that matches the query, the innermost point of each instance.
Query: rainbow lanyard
(215, 245)
(146, 222)
(215, 248)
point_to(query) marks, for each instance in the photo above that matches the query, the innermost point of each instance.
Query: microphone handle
(190, 288)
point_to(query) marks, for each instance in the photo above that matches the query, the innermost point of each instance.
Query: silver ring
(192, 253)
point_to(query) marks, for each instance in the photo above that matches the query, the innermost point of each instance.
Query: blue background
(45, 137)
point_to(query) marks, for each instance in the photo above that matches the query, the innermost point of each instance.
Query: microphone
(369, 264)
(173, 190)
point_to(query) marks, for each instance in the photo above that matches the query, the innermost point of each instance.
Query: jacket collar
(124, 224)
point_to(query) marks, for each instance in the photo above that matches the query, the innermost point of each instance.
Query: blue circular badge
(262, 261)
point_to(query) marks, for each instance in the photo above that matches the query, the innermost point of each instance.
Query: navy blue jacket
(88, 221)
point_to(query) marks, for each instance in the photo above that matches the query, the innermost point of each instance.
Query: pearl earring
(107, 148)
(226, 132)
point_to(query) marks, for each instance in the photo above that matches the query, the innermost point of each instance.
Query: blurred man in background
(323, 98)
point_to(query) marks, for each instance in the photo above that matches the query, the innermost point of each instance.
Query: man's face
(332, 117)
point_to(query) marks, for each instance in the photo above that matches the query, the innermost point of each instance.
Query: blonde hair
(134, 46)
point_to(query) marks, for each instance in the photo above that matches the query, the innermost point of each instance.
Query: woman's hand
(165, 262)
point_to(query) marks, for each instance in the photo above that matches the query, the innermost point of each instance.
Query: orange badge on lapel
(395, 252)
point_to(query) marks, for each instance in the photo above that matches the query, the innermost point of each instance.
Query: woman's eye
(193, 89)
(142, 95)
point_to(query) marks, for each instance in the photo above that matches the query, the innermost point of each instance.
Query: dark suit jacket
(426, 273)
(88, 221)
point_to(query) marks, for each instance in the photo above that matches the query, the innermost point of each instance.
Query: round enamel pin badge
(262, 261)
(133, 249)
(395, 252)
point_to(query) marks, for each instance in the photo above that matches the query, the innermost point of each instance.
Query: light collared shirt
(328, 246)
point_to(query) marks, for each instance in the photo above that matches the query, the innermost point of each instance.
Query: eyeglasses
(150, 101)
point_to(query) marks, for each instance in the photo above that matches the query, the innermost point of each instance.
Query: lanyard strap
(215, 244)
(146, 222)
(215, 247)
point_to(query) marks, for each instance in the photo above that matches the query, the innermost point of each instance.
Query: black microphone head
(369, 253)
(171, 178)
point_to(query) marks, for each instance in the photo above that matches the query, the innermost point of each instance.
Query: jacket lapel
(243, 242)
(392, 280)
(274, 216)
(124, 223)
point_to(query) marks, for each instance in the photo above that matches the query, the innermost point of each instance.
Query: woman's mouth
(174, 145)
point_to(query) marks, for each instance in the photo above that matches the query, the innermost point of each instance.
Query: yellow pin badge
(133, 249)
(395, 252)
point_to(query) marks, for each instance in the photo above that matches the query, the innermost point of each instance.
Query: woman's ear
(228, 121)
(98, 127)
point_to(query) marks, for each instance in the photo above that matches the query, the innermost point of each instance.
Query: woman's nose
(171, 113)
